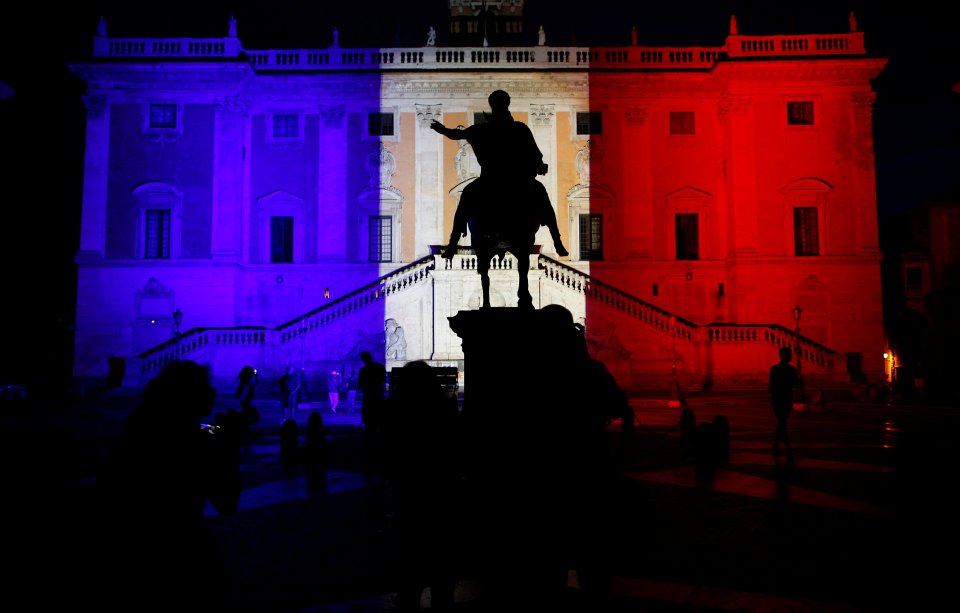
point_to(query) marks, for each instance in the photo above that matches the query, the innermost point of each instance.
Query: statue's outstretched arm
(451, 133)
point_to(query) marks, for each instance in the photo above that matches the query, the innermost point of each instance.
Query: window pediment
(687, 198)
(280, 196)
(807, 184)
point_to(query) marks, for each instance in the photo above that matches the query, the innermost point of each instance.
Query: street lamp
(177, 319)
(797, 312)
(677, 400)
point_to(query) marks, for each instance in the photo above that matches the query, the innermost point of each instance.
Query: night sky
(917, 118)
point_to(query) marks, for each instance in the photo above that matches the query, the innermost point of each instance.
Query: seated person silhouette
(509, 161)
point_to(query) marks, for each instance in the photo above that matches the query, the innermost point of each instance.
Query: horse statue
(500, 222)
(506, 205)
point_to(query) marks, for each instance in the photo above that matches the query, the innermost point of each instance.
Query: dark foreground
(858, 522)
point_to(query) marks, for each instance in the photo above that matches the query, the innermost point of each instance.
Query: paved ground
(859, 522)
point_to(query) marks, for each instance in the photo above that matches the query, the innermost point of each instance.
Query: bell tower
(479, 23)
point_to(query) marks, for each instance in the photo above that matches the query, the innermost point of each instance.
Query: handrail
(197, 338)
(375, 291)
(806, 348)
(615, 298)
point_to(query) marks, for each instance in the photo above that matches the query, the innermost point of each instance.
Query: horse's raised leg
(524, 299)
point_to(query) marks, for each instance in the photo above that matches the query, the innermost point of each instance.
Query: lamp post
(677, 400)
(177, 319)
(796, 311)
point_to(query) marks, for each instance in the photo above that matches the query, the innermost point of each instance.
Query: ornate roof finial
(733, 24)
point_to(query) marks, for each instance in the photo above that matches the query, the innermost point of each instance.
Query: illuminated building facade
(289, 203)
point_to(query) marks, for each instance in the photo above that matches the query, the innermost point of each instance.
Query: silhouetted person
(422, 472)
(246, 382)
(509, 161)
(371, 380)
(721, 429)
(315, 450)
(783, 381)
(154, 486)
(289, 443)
(289, 391)
(333, 390)
(705, 451)
(351, 387)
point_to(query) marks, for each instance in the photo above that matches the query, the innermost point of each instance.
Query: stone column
(93, 227)
(429, 186)
(228, 179)
(544, 132)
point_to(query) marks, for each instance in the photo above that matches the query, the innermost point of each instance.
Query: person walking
(289, 389)
(783, 381)
(168, 465)
(333, 390)
(371, 381)
(351, 385)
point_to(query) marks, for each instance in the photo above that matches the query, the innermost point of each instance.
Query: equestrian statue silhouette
(506, 205)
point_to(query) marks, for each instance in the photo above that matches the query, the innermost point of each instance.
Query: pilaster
(332, 183)
(228, 171)
(740, 155)
(93, 228)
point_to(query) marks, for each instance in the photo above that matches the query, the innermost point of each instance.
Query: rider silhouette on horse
(506, 205)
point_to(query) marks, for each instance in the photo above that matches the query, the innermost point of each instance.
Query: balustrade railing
(634, 307)
(191, 341)
(197, 339)
(371, 293)
(484, 58)
(807, 350)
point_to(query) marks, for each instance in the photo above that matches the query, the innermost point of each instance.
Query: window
(687, 231)
(380, 124)
(281, 240)
(683, 122)
(914, 279)
(381, 238)
(157, 235)
(806, 235)
(479, 118)
(286, 126)
(590, 123)
(800, 113)
(591, 236)
(163, 116)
